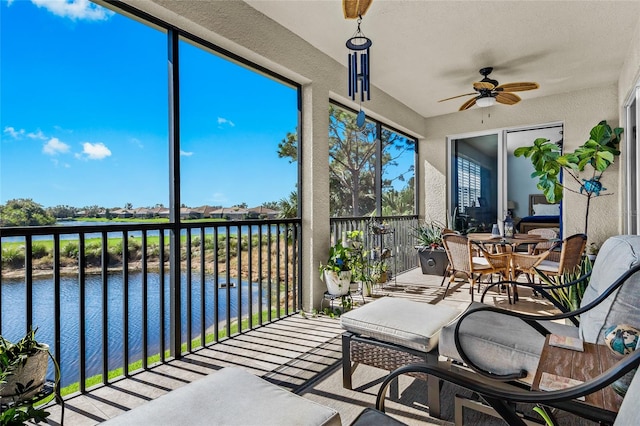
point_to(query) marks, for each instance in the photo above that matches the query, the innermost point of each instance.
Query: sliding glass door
(632, 164)
(486, 180)
(475, 196)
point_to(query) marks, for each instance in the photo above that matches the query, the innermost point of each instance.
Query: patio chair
(460, 251)
(567, 259)
(484, 334)
(503, 399)
(548, 233)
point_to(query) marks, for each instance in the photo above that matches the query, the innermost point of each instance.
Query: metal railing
(111, 299)
(404, 251)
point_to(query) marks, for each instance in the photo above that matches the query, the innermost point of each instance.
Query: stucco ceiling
(424, 51)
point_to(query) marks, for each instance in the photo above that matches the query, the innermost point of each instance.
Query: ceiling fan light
(486, 102)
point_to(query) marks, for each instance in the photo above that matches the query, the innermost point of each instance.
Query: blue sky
(83, 114)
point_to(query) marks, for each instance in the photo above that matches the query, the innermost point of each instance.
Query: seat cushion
(617, 255)
(628, 414)
(231, 396)
(499, 343)
(404, 322)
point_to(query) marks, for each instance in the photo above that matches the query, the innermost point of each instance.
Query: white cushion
(403, 322)
(546, 209)
(231, 396)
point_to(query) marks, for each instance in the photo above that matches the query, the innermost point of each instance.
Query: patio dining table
(508, 245)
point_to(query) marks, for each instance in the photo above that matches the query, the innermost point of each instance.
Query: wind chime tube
(354, 75)
(350, 77)
(363, 75)
(366, 78)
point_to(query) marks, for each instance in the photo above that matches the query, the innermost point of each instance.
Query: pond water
(13, 303)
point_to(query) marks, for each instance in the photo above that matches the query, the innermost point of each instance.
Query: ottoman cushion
(231, 396)
(403, 322)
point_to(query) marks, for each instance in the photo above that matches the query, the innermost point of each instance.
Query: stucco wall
(579, 111)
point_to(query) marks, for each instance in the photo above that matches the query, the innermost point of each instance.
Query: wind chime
(359, 77)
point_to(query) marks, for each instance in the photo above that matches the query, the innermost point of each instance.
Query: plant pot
(433, 261)
(26, 380)
(367, 289)
(337, 283)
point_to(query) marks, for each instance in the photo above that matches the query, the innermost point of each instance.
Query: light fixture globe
(486, 101)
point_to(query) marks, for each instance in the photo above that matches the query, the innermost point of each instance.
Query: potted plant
(592, 251)
(359, 261)
(598, 152)
(23, 370)
(433, 257)
(336, 273)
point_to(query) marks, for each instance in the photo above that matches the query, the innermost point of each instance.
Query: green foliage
(428, 234)
(24, 212)
(598, 152)
(339, 259)
(352, 166)
(571, 296)
(17, 416)
(13, 257)
(70, 250)
(288, 207)
(39, 251)
(62, 212)
(14, 355)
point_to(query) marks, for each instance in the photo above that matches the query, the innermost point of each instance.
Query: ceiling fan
(489, 91)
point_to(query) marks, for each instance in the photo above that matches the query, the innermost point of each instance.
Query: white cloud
(37, 135)
(186, 153)
(75, 9)
(11, 131)
(137, 142)
(94, 151)
(54, 147)
(222, 121)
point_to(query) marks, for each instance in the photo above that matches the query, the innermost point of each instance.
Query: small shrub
(39, 251)
(70, 250)
(13, 257)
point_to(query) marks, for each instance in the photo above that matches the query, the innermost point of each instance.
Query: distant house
(122, 213)
(143, 213)
(262, 213)
(206, 212)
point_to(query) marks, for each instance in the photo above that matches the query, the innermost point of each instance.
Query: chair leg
(346, 361)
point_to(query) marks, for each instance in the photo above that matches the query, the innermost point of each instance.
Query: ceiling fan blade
(459, 96)
(518, 87)
(355, 8)
(507, 98)
(471, 102)
(478, 85)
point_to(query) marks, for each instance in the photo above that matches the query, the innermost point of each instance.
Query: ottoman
(231, 396)
(392, 332)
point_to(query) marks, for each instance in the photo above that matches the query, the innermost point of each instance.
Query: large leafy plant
(428, 234)
(598, 153)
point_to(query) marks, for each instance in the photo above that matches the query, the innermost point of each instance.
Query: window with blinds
(469, 183)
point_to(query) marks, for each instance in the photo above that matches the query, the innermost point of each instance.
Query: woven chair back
(571, 253)
(548, 233)
(457, 248)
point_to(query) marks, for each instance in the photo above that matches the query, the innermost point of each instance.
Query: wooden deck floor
(294, 353)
